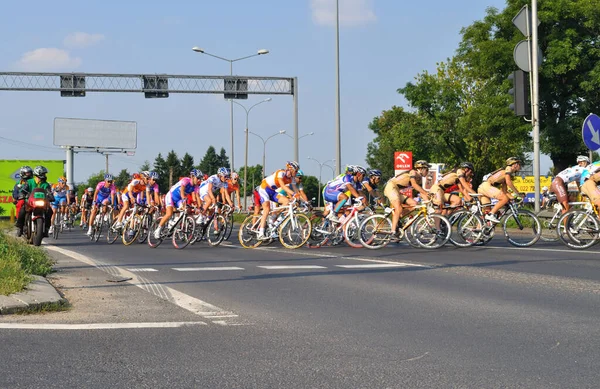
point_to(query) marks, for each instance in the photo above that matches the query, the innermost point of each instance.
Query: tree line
(461, 111)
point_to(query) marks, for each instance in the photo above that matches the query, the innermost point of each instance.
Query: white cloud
(80, 40)
(48, 59)
(352, 12)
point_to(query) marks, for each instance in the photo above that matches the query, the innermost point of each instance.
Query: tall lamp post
(319, 184)
(231, 61)
(295, 145)
(265, 147)
(246, 152)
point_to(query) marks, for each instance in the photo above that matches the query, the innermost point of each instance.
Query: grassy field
(18, 261)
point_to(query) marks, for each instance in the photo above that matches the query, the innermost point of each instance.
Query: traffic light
(520, 93)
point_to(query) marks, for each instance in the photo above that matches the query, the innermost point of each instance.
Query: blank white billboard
(102, 134)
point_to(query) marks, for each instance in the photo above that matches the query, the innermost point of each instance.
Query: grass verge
(18, 261)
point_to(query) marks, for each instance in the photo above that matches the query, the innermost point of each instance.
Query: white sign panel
(101, 134)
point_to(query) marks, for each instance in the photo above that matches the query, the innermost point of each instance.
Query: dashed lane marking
(142, 269)
(99, 326)
(374, 266)
(207, 268)
(293, 267)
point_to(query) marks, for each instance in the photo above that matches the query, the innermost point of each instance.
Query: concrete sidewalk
(38, 294)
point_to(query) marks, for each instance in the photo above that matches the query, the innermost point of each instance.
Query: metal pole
(264, 159)
(319, 187)
(106, 156)
(70, 169)
(231, 119)
(296, 146)
(338, 137)
(246, 165)
(535, 103)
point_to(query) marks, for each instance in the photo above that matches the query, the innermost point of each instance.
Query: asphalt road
(338, 318)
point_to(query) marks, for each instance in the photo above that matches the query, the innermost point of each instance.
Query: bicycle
(347, 228)
(211, 228)
(581, 226)
(179, 228)
(515, 223)
(550, 216)
(421, 227)
(102, 218)
(292, 228)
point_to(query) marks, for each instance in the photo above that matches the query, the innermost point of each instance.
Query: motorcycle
(35, 217)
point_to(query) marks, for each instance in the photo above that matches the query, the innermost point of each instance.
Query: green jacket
(31, 185)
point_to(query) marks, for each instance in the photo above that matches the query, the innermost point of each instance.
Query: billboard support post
(70, 167)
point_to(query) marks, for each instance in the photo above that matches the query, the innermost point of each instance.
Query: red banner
(403, 160)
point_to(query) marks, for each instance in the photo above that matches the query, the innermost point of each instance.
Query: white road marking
(570, 251)
(99, 326)
(373, 265)
(192, 304)
(142, 269)
(207, 268)
(290, 267)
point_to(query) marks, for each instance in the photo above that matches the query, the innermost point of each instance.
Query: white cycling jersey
(571, 174)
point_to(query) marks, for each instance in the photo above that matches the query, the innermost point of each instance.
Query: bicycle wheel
(352, 232)
(183, 232)
(578, 229)
(228, 227)
(216, 230)
(152, 241)
(522, 229)
(321, 232)
(294, 231)
(467, 228)
(548, 223)
(131, 230)
(431, 231)
(111, 233)
(375, 232)
(144, 228)
(55, 227)
(97, 230)
(248, 234)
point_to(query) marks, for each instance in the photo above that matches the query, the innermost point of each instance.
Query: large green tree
(187, 164)
(122, 179)
(254, 178)
(210, 162)
(223, 158)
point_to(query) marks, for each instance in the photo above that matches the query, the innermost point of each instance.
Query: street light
(231, 61)
(296, 142)
(265, 147)
(319, 184)
(246, 153)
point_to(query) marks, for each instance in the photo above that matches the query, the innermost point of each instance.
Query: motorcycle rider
(38, 181)
(25, 173)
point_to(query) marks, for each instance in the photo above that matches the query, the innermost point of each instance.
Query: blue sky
(383, 45)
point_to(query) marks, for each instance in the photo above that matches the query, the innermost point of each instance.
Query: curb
(37, 295)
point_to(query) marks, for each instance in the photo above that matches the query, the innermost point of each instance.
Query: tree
(123, 179)
(210, 162)
(254, 178)
(187, 164)
(223, 158)
(92, 182)
(311, 187)
(160, 167)
(174, 170)
(569, 75)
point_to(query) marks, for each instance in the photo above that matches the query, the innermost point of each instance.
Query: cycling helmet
(466, 165)
(299, 173)
(422, 164)
(196, 173)
(62, 180)
(223, 171)
(145, 174)
(512, 161)
(40, 171)
(583, 158)
(292, 165)
(234, 176)
(351, 169)
(204, 177)
(108, 177)
(135, 176)
(26, 171)
(544, 189)
(90, 189)
(360, 170)
(154, 175)
(374, 173)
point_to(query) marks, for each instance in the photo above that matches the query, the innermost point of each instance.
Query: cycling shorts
(173, 202)
(331, 195)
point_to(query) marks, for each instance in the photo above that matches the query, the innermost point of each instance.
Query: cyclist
(25, 173)
(87, 200)
(233, 188)
(217, 183)
(281, 179)
(336, 191)
(104, 195)
(151, 196)
(412, 179)
(459, 176)
(60, 191)
(137, 185)
(371, 183)
(561, 182)
(496, 187)
(176, 198)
